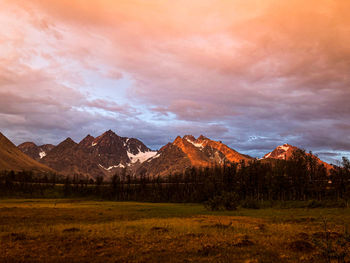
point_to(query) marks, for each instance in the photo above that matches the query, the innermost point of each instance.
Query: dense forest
(301, 178)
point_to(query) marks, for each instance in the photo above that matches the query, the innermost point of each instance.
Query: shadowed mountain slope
(12, 158)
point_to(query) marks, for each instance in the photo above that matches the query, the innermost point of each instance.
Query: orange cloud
(272, 67)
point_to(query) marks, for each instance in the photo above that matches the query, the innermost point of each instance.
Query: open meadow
(41, 230)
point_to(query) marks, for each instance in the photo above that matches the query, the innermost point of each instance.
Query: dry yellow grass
(91, 231)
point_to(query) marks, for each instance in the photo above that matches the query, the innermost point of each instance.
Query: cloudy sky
(254, 74)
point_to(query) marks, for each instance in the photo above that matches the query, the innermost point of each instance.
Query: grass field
(94, 231)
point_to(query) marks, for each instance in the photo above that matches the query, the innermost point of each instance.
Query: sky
(253, 74)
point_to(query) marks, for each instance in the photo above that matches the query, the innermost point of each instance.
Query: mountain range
(109, 153)
(92, 157)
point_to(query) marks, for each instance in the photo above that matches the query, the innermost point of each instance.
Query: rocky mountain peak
(178, 138)
(102, 155)
(107, 142)
(202, 138)
(68, 141)
(27, 144)
(285, 151)
(282, 152)
(87, 141)
(188, 151)
(107, 137)
(134, 146)
(34, 151)
(189, 137)
(109, 133)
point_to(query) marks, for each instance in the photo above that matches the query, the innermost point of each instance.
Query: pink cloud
(276, 67)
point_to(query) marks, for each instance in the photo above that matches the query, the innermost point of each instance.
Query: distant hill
(12, 158)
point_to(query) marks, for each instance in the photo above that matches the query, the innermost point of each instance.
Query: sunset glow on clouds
(254, 74)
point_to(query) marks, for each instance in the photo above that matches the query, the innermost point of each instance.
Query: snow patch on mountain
(218, 157)
(111, 167)
(198, 145)
(284, 147)
(42, 154)
(281, 156)
(267, 155)
(141, 156)
(94, 144)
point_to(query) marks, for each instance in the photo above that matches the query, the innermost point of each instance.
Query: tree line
(300, 178)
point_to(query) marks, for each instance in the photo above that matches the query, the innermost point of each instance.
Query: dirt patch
(73, 229)
(159, 229)
(301, 246)
(196, 235)
(17, 236)
(302, 236)
(301, 220)
(261, 227)
(244, 242)
(207, 250)
(218, 226)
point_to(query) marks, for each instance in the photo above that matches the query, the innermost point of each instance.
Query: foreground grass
(92, 231)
